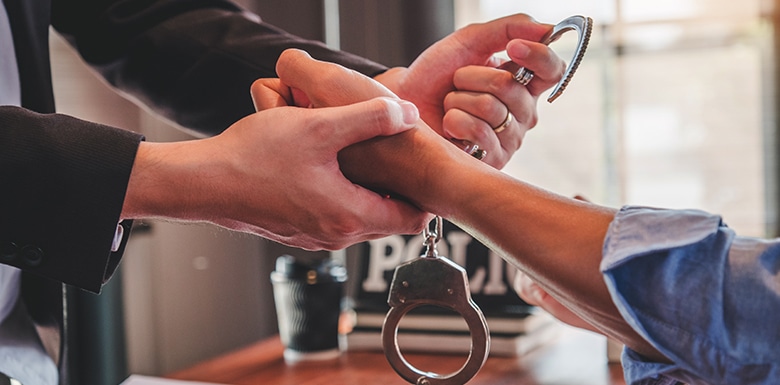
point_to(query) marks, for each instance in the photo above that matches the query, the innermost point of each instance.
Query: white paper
(146, 380)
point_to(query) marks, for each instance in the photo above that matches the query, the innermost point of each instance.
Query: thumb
(493, 36)
(270, 93)
(365, 120)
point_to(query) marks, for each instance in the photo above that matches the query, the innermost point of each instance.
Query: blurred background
(673, 106)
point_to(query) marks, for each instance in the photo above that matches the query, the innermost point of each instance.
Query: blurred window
(669, 108)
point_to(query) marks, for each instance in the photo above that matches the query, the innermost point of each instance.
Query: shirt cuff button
(32, 255)
(8, 252)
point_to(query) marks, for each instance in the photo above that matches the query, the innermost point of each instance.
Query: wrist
(167, 182)
(391, 79)
(416, 165)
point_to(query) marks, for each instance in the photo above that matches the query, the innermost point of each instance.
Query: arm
(254, 178)
(463, 96)
(69, 182)
(166, 54)
(556, 240)
(64, 181)
(191, 61)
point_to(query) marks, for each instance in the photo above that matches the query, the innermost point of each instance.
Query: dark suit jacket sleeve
(193, 61)
(63, 184)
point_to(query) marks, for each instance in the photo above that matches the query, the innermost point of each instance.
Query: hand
(439, 178)
(535, 295)
(463, 96)
(304, 81)
(276, 174)
(307, 82)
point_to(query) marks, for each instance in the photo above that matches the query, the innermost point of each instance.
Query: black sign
(490, 277)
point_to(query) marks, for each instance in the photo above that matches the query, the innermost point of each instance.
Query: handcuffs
(583, 26)
(435, 280)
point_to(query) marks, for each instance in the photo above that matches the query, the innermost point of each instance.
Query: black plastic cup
(308, 305)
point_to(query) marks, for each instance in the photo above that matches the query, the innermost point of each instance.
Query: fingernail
(517, 50)
(538, 294)
(411, 114)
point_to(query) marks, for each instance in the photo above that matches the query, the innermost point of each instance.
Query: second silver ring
(475, 151)
(523, 76)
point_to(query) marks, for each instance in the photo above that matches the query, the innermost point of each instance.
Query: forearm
(556, 240)
(191, 61)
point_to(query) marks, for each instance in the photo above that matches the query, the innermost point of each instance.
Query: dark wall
(300, 17)
(394, 32)
(390, 32)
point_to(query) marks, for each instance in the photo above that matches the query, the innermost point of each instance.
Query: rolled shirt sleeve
(707, 299)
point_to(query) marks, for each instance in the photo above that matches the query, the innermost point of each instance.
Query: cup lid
(325, 270)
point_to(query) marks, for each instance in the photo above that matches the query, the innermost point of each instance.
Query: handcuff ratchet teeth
(584, 27)
(433, 280)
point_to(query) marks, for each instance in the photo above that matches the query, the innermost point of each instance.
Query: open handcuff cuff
(583, 26)
(435, 280)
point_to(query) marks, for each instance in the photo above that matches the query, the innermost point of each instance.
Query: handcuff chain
(432, 238)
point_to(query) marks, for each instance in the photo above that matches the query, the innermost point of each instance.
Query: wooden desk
(574, 358)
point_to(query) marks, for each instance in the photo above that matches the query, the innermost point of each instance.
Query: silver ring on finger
(505, 124)
(523, 76)
(475, 151)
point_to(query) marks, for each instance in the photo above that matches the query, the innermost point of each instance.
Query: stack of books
(515, 327)
(510, 335)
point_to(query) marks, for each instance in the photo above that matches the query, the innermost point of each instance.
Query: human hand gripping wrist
(421, 166)
(383, 164)
(465, 98)
(275, 173)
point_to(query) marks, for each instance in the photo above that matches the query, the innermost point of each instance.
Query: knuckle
(319, 127)
(561, 69)
(346, 227)
(336, 233)
(533, 120)
(421, 222)
(385, 115)
(449, 100)
(498, 85)
(381, 110)
(488, 107)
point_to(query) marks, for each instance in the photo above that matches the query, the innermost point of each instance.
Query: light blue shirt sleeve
(707, 299)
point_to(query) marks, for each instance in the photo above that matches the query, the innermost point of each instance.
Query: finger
(493, 36)
(463, 126)
(326, 84)
(474, 117)
(483, 105)
(357, 122)
(527, 289)
(478, 43)
(465, 129)
(547, 67)
(270, 93)
(385, 216)
(533, 294)
(498, 83)
(300, 98)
